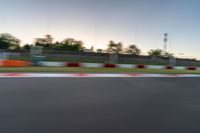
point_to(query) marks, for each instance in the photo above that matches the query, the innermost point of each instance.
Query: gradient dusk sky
(140, 22)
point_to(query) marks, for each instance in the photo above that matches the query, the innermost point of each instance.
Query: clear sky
(140, 22)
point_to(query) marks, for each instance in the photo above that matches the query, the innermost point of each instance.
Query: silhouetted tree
(114, 47)
(46, 42)
(8, 41)
(71, 44)
(159, 52)
(156, 52)
(27, 46)
(57, 46)
(92, 49)
(133, 49)
(167, 54)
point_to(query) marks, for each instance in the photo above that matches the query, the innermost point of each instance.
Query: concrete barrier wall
(52, 64)
(73, 64)
(17, 63)
(92, 65)
(126, 66)
(99, 65)
(180, 68)
(155, 67)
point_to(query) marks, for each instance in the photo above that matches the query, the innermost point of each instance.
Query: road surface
(99, 105)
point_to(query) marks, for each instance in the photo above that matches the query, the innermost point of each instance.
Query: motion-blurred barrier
(110, 66)
(169, 67)
(91, 65)
(107, 65)
(141, 66)
(37, 59)
(52, 64)
(14, 63)
(154, 67)
(1, 63)
(191, 68)
(73, 64)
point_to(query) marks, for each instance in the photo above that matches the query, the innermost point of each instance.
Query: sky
(140, 22)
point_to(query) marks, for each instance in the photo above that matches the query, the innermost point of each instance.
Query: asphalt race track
(99, 105)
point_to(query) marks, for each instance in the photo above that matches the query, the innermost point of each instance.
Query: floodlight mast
(165, 42)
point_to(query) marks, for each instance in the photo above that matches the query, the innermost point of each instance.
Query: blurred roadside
(39, 60)
(37, 55)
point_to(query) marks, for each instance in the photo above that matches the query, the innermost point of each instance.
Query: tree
(92, 49)
(8, 41)
(27, 46)
(71, 44)
(167, 54)
(114, 47)
(47, 41)
(156, 52)
(133, 49)
(159, 52)
(57, 45)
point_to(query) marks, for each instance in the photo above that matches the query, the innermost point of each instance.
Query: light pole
(165, 42)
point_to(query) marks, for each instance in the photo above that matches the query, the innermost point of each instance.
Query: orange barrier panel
(15, 63)
(1, 63)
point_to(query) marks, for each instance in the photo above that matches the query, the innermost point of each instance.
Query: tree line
(8, 41)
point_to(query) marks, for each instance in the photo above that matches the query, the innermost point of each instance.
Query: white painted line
(49, 75)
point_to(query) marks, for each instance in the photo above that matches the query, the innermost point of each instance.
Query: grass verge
(93, 70)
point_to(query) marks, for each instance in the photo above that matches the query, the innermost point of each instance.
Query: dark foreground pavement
(100, 105)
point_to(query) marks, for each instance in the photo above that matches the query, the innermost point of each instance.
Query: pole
(165, 42)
